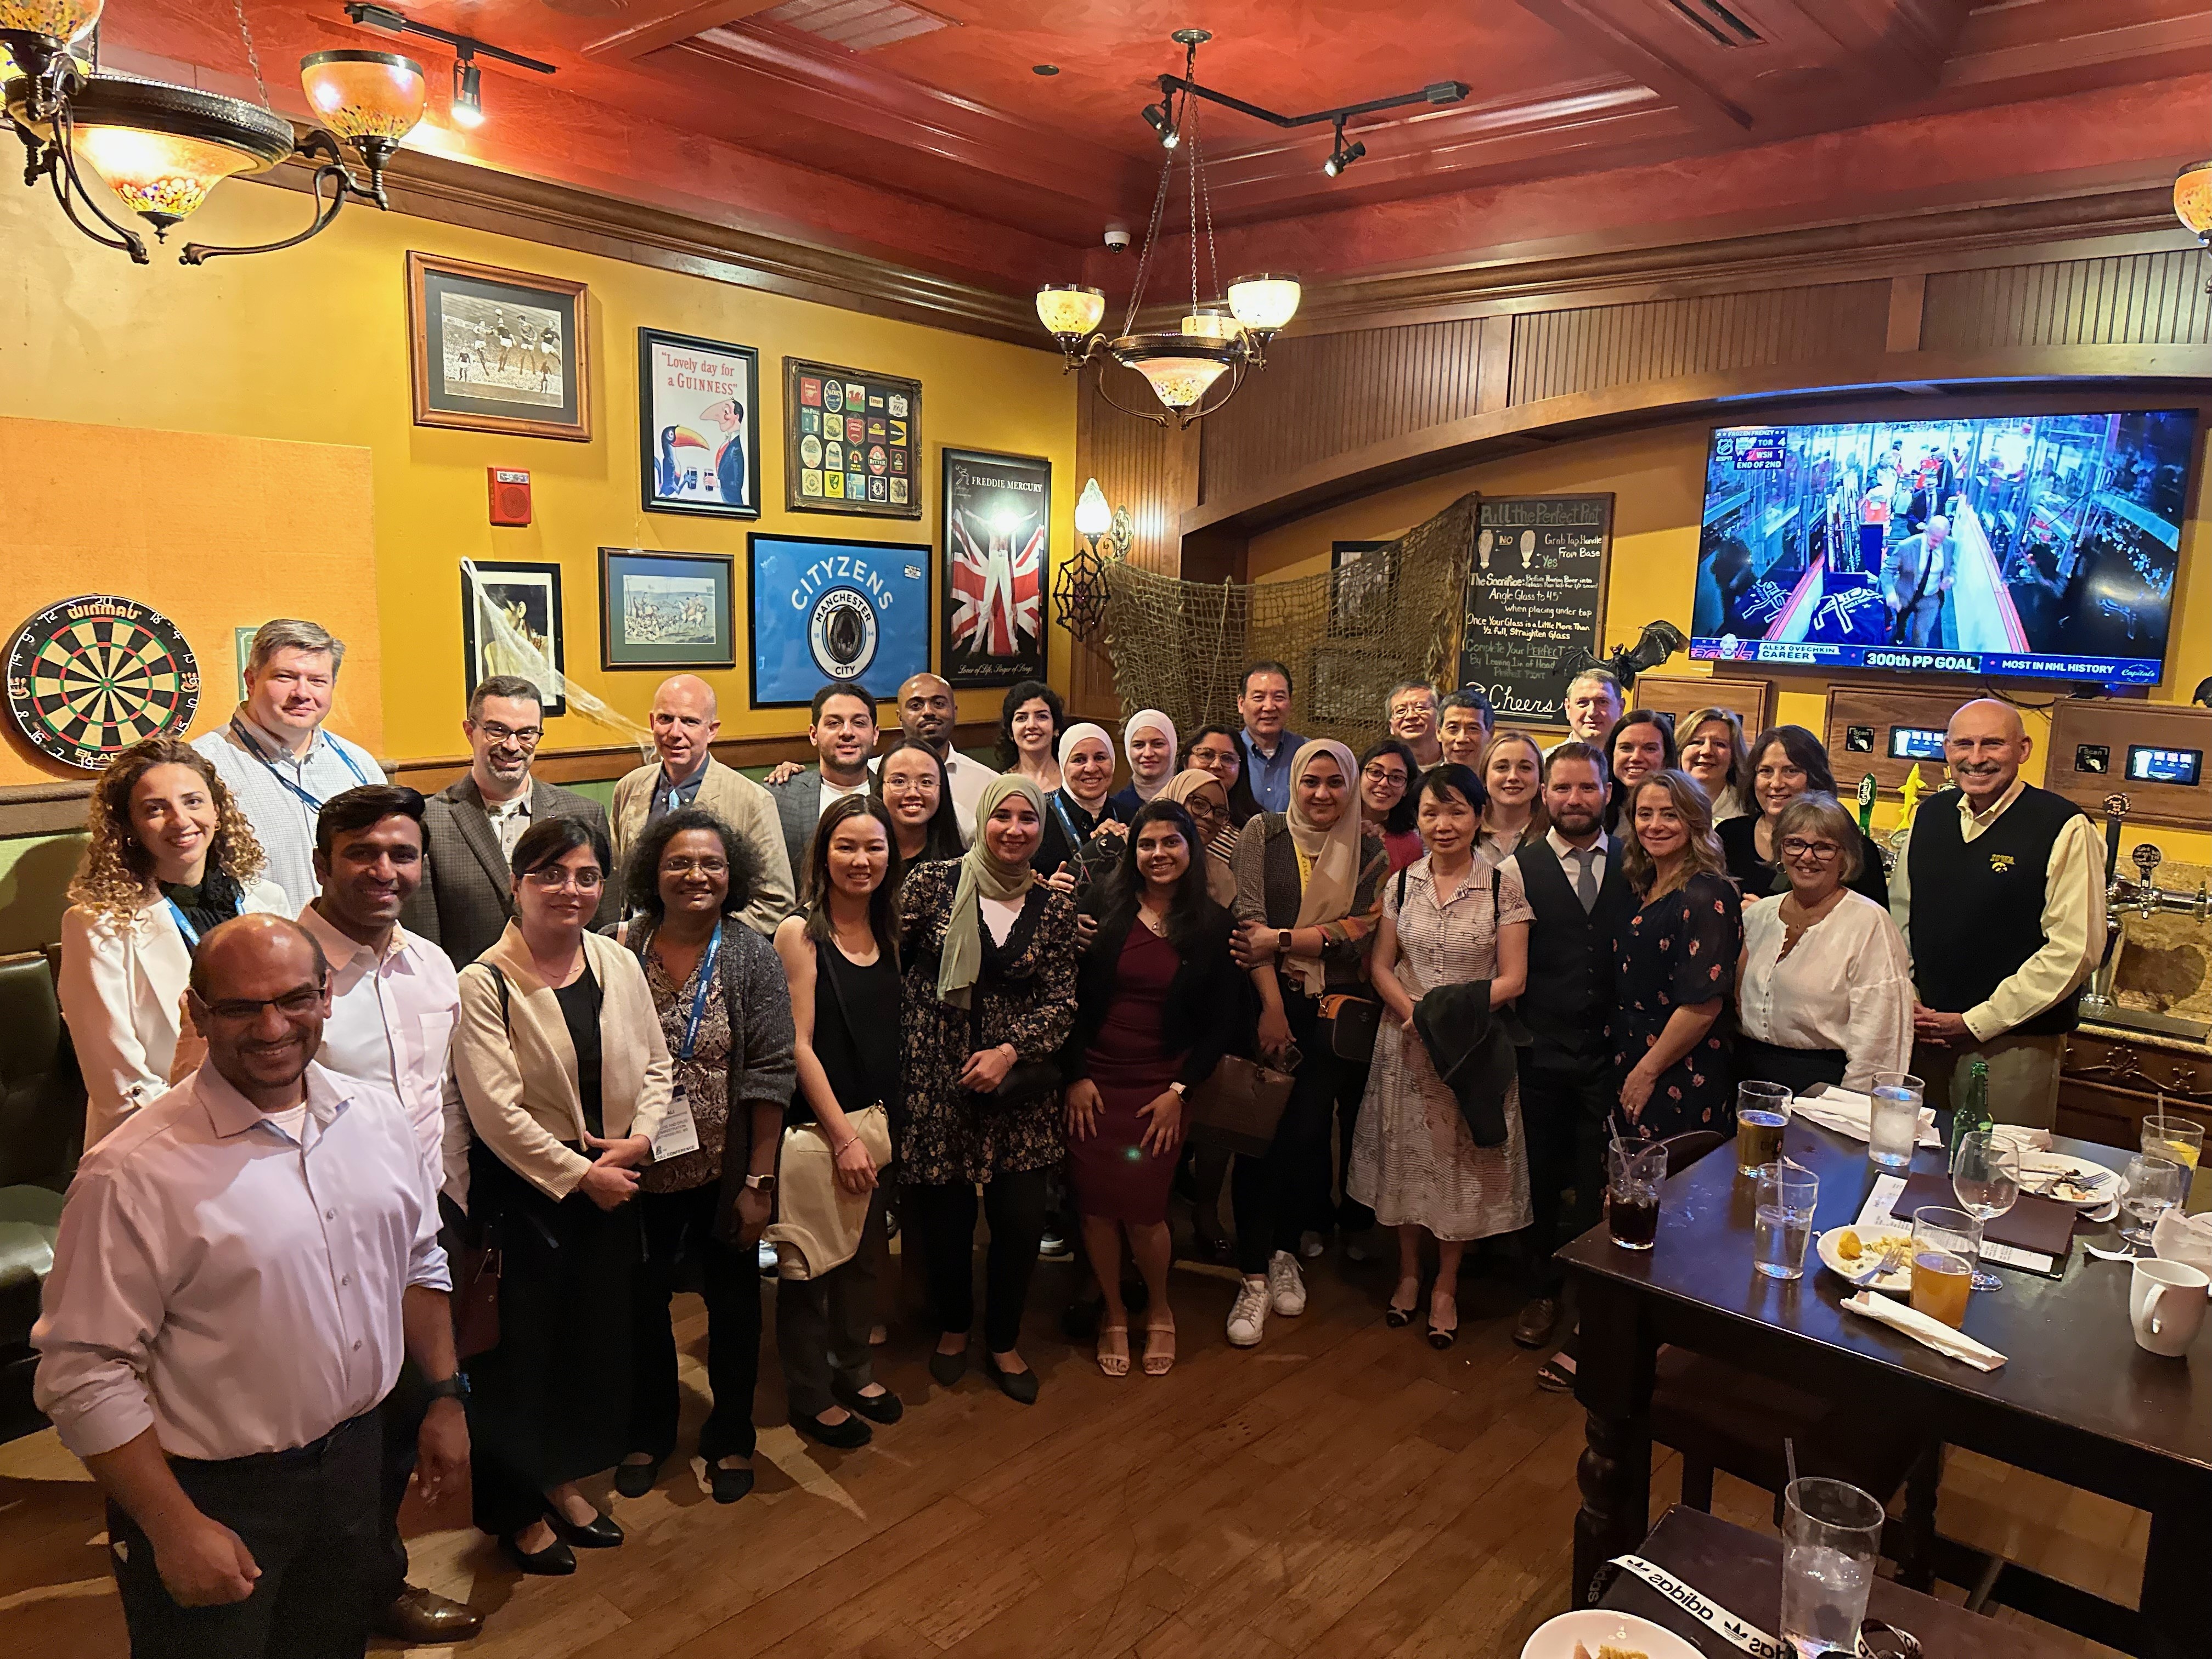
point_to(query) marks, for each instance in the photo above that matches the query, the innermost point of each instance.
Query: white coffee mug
(2165, 1306)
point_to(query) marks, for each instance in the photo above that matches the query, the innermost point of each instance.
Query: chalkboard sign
(1534, 591)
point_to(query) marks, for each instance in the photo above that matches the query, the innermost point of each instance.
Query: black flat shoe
(838, 1437)
(602, 1533)
(728, 1485)
(886, 1408)
(555, 1560)
(1397, 1318)
(636, 1479)
(1442, 1339)
(1020, 1387)
(949, 1367)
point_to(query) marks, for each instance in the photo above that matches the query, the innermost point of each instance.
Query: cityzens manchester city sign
(835, 612)
(91, 676)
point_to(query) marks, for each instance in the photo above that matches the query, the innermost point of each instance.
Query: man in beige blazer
(685, 722)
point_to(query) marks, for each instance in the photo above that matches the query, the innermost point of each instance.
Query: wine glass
(2149, 1187)
(1986, 1174)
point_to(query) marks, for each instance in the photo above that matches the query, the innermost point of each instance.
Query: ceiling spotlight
(1341, 154)
(1157, 118)
(1046, 69)
(468, 95)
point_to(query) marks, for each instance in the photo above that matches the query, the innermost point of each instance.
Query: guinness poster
(998, 566)
(835, 612)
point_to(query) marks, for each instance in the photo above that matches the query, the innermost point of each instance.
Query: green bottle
(1971, 1112)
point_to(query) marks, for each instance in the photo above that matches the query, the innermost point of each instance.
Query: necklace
(1806, 920)
(1158, 923)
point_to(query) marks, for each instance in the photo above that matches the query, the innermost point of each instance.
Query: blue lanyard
(1075, 837)
(192, 935)
(254, 748)
(699, 996)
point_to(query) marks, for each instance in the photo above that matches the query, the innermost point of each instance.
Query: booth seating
(41, 1129)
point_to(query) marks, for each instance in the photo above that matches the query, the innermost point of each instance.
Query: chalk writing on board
(1534, 591)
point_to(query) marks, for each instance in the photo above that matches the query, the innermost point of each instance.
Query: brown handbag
(1238, 1107)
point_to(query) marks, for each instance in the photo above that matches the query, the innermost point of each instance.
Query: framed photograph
(1358, 602)
(241, 640)
(492, 350)
(997, 568)
(852, 441)
(666, 610)
(829, 611)
(511, 624)
(698, 427)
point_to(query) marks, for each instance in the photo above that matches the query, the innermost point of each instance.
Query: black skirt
(1796, 1069)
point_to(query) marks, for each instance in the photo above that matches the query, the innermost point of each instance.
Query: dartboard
(91, 676)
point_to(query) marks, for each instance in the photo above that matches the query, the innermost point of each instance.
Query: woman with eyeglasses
(1388, 773)
(725, 1017)
(1787, 762)
(1825, 993)
(1214, 749)
(1513, 775)
(565, 1076)
(910, 781)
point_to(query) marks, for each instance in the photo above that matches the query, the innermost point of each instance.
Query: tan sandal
(1159, 1350)
(1114, 1364)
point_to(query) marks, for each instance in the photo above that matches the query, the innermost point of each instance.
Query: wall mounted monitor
(2042, 546)
(1918, 743)
(2149, 765)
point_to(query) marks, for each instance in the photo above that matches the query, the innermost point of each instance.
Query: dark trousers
(401, 1418)
(1563, 1124)
(1273, 1196)
(822, 1324)
(308, 1517)
(1335, 1206)
(676, 1226)
(944, 1218)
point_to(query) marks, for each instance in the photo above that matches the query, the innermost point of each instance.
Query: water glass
(1633, 1173)
(1830, 1540)
(2149, 1187)
(1783, 1222)
(1986, 1174)
(2178, 1138)
(1893, 1123)
(1762, 1111)
(1946, 1245)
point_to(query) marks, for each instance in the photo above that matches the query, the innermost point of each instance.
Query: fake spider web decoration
(1346, 636)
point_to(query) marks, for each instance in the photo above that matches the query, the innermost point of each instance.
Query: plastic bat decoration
(1658, 641)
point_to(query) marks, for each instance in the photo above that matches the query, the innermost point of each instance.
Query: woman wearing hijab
(990, 953)
(1309, 885)
(1083, 805)
(1200, 794)
(1148, 738)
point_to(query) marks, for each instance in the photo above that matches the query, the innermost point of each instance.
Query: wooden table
(1743, 1572)
(2079, 1402)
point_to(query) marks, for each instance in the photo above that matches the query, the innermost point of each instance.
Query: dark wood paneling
(1556, 353)
(1323, 394)
(2147, 298)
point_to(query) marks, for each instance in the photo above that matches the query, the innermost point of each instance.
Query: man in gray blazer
(470, 828)
(842, 730)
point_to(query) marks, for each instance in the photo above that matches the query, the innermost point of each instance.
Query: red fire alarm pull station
(510, 496)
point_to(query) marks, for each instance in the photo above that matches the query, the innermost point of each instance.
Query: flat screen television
(2020, 545)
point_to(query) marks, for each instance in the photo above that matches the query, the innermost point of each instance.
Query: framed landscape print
(511, 624)
(852, 441)
(828, 611)
(997, 567)
(698, 426)
(666, 610)
(492, 350)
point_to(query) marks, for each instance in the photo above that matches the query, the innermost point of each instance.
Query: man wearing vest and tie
(2000, 897)
(1574, 882)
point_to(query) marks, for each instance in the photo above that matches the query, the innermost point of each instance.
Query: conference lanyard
(1075, 837)
(699, 996)
(254, 750)
(192, 933)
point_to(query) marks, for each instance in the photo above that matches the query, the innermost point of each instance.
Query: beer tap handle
(2116, 816)
(2146, 858)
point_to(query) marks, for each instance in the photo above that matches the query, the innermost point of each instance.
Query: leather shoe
(1534, 1329)
(948, 1368)
(853, 1431)
(728, 1485)
(636, 1479)
(604, 1532)
(884, 1408)
(423, 1617)
(555, 1560)
(1020, 1387)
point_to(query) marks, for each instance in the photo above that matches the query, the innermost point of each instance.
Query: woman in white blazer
(171, 855)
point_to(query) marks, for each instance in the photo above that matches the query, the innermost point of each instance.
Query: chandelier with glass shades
(162, 149)
(1218, 340)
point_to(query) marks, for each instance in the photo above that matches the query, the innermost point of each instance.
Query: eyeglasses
(683, 866)
(293, 1005)
(494, 733)
(1384, 775)
(552, 878)
(1819, 851)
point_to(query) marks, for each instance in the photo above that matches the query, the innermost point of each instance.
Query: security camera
(1117, 238)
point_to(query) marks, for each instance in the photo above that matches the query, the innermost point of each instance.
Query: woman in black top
(840, 960)
(1082, 806)
(1786, 762)
(1640, 746)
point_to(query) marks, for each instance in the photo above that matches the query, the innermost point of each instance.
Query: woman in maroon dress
(1157, 1001)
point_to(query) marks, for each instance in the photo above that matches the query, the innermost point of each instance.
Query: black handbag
(1350, 1024)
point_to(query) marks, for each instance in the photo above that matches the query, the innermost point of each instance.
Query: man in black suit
(470, 828)
(842, 730)
(1574, 882)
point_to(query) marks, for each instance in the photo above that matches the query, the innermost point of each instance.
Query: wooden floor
(1341, 1490)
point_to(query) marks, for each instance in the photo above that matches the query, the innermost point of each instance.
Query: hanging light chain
(253, 57)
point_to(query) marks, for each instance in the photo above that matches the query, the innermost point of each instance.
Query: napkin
(2020, 1135)
(2184, 1239)
(1928, 1332)
(1852, 1115)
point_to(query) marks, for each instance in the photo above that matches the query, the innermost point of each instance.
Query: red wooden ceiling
(954, 121)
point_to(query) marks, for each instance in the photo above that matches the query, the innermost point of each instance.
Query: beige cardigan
(517, 1072)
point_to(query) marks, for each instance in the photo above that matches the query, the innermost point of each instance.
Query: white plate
(2036, 1169)
(1899, 1283)
(1556, 1638)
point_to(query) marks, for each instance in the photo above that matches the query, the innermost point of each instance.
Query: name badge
(678, 1133)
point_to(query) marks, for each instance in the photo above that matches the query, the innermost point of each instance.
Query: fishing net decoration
(1346, 636)
(507, 649)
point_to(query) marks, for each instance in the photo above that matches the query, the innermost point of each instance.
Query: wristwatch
(1283, 940)
(760, 1183)
(455, 1387)
(1177, 1088)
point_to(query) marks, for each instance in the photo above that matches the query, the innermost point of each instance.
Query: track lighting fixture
(1341, 154)
(1160, 118)
(468, 92)
(467, 110)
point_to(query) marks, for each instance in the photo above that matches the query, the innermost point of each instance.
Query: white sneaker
(1286, 1285)
(1248, 1318)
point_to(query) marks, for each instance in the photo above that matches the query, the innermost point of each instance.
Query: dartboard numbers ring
(91, 676)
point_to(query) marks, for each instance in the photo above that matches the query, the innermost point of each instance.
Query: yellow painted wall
(1657, 477)
(310, 345)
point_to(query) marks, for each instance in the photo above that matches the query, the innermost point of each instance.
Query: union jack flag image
(997, 584)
